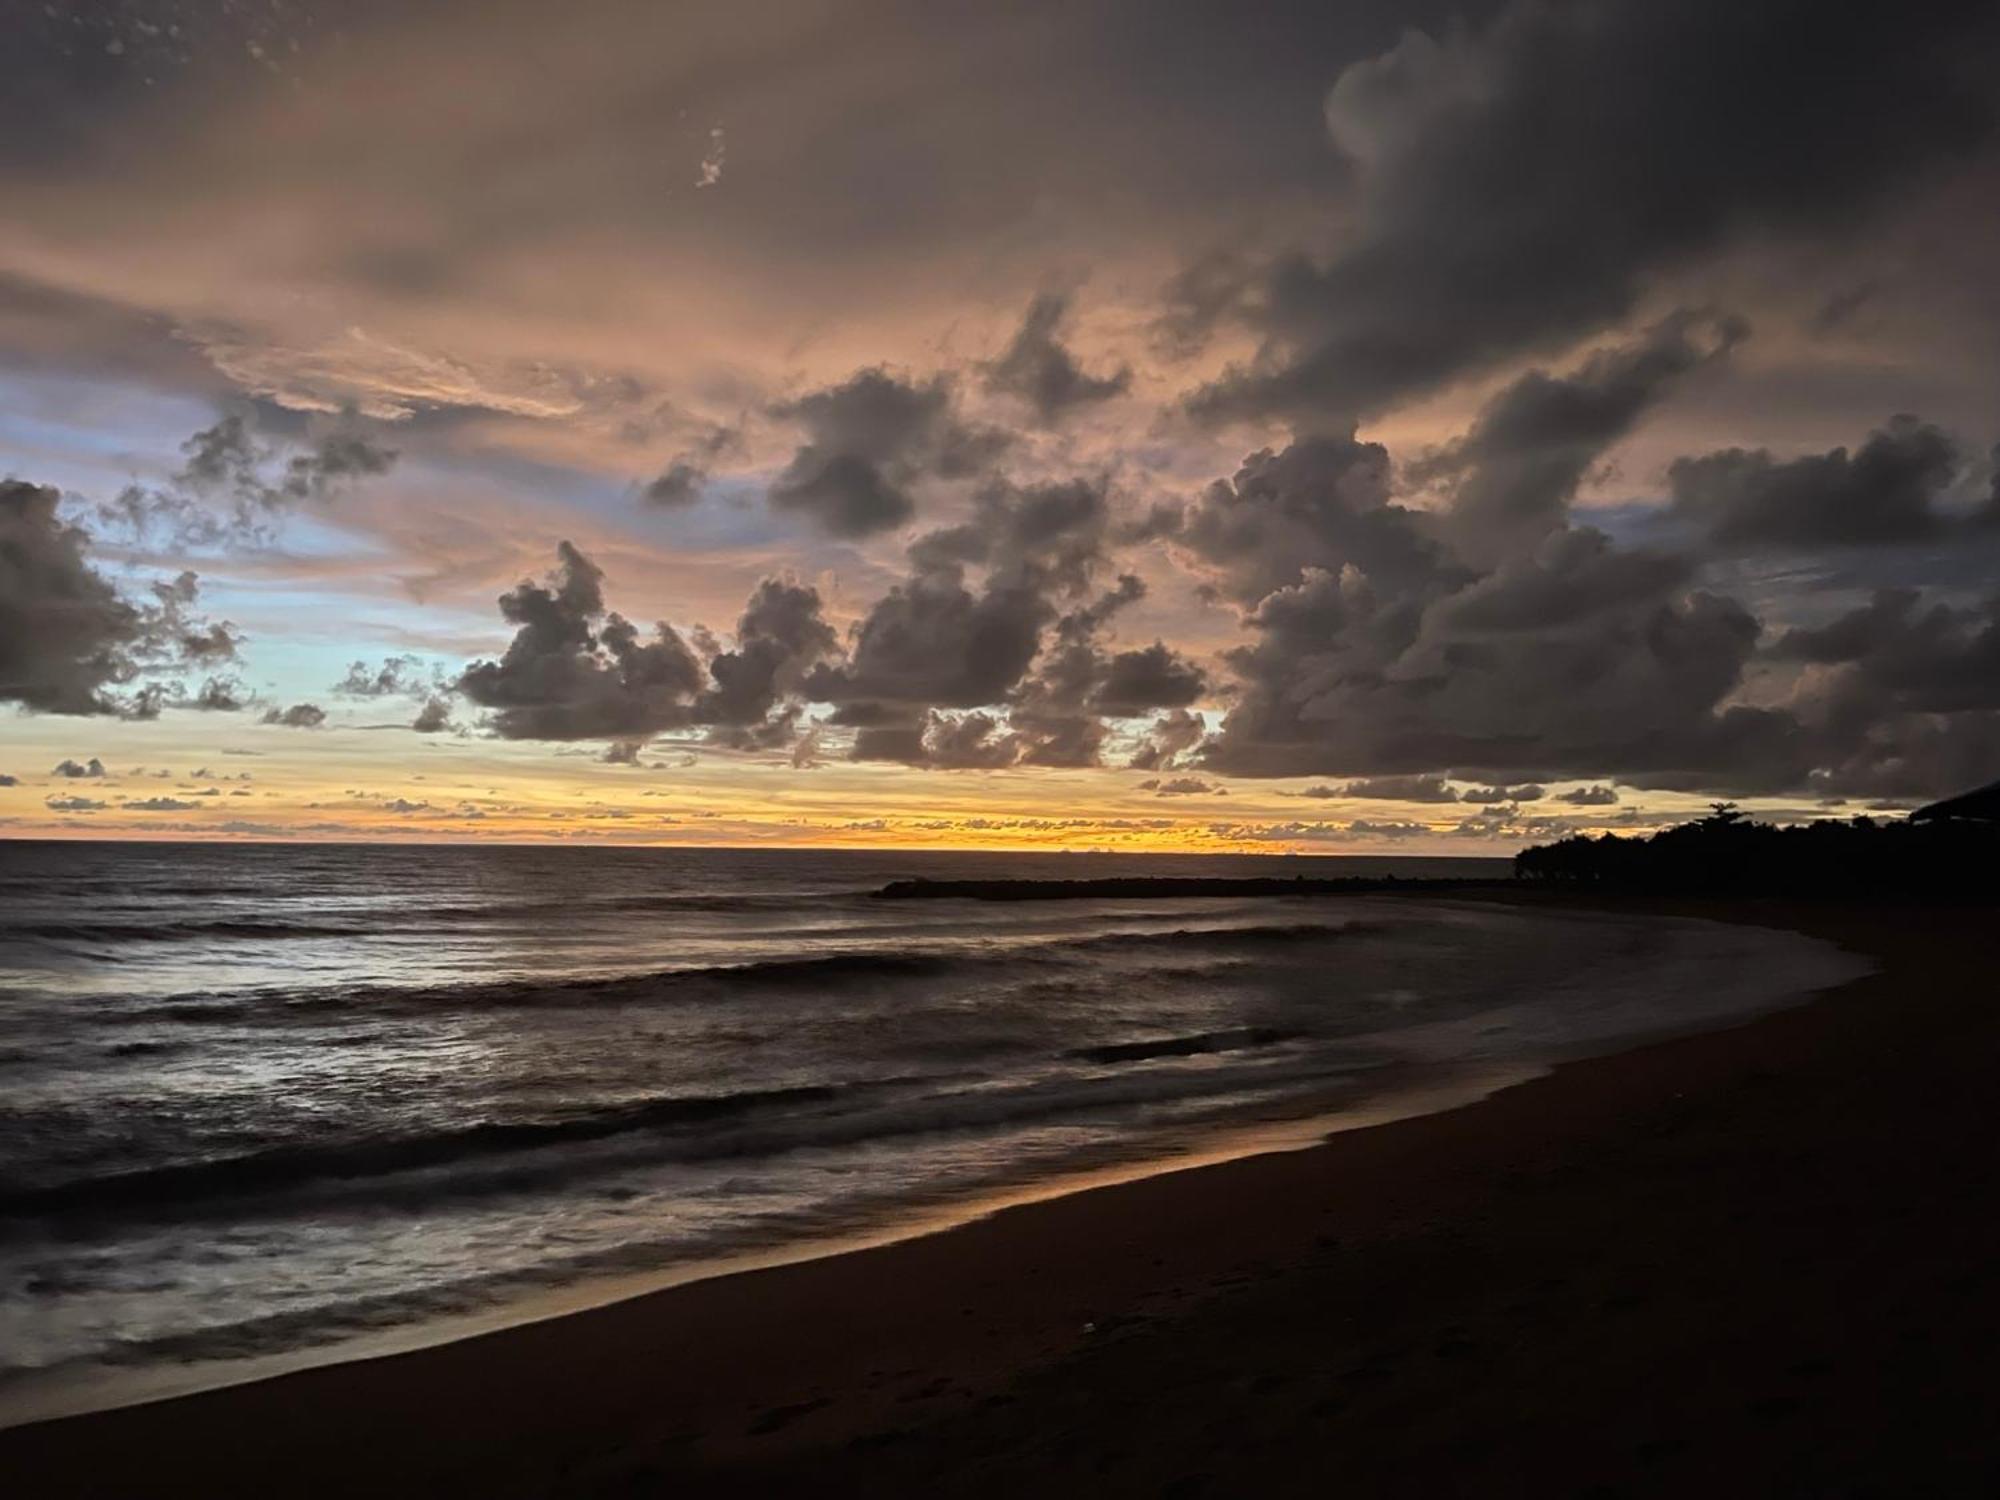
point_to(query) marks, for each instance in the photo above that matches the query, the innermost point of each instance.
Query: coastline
(890, 1364)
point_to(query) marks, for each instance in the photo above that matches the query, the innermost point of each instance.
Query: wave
(829, 972)
(1273, 934)
(178, 932)
(1236, 1040)
(181, 1183)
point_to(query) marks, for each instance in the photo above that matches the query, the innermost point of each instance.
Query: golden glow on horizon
(335, 785)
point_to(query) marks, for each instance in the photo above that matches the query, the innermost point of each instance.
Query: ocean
(290, 1101)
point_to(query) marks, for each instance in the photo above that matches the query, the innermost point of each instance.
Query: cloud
(1590, 796)
(1492, 795)
(77, 770)
(681, 483)
(1152, 677)
(434, 717)
(779, 638)
(1902, 696)
(1512, 477)
(1398, 789)
(225, 695)
(1319, 505)
(298, 716)
(1884, 493)
(393, 677)
(939, 640)
(235, 482)
(1516, 189)
(1039, 371)
(73, 804)
(70, 640)
(1184, 786)
(685, 480)
(1496, 633)
(231, 458)
(970, 741)
(160, 804)
(870, 441)
(1169, 737)
(577, 671)
(6, 780)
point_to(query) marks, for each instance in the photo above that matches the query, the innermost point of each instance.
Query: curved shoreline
(629, 1317)
(1443, 1065)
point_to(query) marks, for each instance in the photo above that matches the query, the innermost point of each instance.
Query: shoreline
(1441, 1080)
(786, 1378)
(100, 1389)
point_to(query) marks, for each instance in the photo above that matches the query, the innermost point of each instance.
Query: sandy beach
(1756, 1261)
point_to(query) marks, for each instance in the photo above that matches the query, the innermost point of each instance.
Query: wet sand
(1759, 1261)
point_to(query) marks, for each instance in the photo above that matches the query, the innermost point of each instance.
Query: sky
(1106, 424)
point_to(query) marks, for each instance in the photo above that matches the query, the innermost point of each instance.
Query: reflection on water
(258, 1098)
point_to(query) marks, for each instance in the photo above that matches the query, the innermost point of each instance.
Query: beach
(1753, 1261)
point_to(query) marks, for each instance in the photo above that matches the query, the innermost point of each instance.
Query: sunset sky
(1344, 428)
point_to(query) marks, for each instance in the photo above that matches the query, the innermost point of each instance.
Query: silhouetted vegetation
(1728, 853)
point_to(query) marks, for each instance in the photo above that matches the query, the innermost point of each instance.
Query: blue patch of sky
(92, 436)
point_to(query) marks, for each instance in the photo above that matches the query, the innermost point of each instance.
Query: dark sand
(1764, 1261)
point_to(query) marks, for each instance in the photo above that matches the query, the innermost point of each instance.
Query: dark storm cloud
(1495, 633)
(1318, 505)
(871, 440)
(1400, 789)
(1886, 492)
(1167, 739)
(71, 642)
(1590, 796)
(997, 613)
(934, 640)
(1039, 370)
(578, 671)
(780, 637)
(1578, 655)
(1520, 182)
(1899, 653)
(1152, 677)
(937, 639)
(1496, 795)
(969, 741)
(1057, 712)
(1512, 477)
(66, 634)
(1904, 695)
(1571, 576)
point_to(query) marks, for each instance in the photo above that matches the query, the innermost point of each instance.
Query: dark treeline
(1729, 853)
